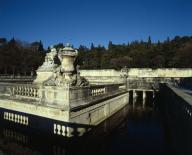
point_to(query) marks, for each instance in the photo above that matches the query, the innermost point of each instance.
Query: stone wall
(97, 113)
(175, 102)
(165, 72)
(175, 109)
(102, 76)
(140, 72)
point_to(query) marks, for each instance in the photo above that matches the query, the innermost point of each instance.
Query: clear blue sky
(97, 21)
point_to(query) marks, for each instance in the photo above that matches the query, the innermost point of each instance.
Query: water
(133, 131)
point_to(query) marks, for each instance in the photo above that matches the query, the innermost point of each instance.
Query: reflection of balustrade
(15, 135)
(27, 91)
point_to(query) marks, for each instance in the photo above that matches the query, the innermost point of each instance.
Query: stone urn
(67, 56)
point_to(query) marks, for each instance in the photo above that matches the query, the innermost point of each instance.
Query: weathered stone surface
(47, 69)
(35, 109)
(50, 74)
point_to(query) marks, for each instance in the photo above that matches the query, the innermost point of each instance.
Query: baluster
(12, 117)
(27, 121)
(18, 119)
(9, 116)
(19, 90)
(63, 130)
(24, 91)
(28, 91)
(35, 92)
(15, 117)
(21, 118)
(54, 128)
(12, 91)
(59, 129)
(5, 115)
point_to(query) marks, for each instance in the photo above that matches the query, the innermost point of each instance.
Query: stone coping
(181, 93)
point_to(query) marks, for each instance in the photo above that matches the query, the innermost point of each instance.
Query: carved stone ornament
(49, 61)
(67, 73)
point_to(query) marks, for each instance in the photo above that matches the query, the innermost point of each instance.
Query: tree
(149, 40)
(110, 45)
(92, 46)
(183, 57)
(40, 46)
(59, 46)
(158, 61)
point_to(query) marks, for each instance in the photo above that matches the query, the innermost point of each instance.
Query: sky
(94, 21)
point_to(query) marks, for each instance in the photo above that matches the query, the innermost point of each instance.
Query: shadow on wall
(177, 120)
(186, 83)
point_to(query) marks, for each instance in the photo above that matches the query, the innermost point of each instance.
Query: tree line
(175, 53)
(20, 58)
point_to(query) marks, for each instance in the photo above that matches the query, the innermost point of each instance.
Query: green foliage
(16, 59)
(170, 53)
(19, 58)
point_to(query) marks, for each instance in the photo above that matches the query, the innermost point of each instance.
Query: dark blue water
(131, 131)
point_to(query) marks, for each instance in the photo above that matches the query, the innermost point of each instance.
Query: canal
(133, 130)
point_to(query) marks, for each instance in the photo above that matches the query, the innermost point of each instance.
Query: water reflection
(177, 131)
(134, 131)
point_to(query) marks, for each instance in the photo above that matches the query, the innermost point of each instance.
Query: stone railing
(105, 89)
(64, 96)
(14, 78)
(97, 91)
(25, 90)
(86, 95)
(20, 91)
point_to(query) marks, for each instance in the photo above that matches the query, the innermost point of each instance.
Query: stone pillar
(144, 98)
(54, 95)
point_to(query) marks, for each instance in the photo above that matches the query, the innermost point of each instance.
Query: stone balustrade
(65, 96)
(24, 91)
(105, 89)
(97, 91)
(20, 91)
(16, 79)
(86, 95)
